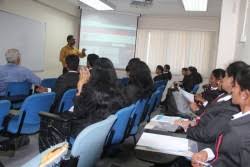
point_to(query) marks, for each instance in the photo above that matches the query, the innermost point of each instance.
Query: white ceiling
(163, 8)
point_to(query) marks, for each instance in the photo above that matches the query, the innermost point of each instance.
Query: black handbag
(54, 129)
(72, 162)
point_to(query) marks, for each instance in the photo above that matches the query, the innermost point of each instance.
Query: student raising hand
(83, 79)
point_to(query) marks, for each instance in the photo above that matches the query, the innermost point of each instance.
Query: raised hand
(83, 79)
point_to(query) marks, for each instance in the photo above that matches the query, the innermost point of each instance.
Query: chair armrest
(58, 117)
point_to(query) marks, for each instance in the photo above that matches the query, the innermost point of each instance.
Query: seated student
(130, 63)
(2, 84)
(184, 72)
(216, 115)
(233, 144)
(14, 72)
(211, 92)
(98, 95)
(185, 108)
(140, 84)
(159, 74)
(65, 82)
(91, 60)
(167, 72)
(191, 79)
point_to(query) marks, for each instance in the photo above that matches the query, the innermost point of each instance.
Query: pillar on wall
(228, 32)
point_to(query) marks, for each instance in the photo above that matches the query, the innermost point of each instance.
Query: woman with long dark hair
(140, 84)
(98, 95)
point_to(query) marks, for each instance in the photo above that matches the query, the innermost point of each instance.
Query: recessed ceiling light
(195, 5)
(98, 4)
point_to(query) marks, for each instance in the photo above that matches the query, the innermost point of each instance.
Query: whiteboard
(24, 34)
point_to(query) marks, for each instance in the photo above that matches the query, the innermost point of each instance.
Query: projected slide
(109, 35)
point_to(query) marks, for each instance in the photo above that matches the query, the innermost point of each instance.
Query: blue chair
(123, 81)
(159, 83)
(120, 127)
(88, 145)
(67, 100)
(151, 105)
(161, 90)
(195, 88)
(90, 142)
(17, 92)
(136, 118)
(28, 120)
(4, 110)
(49, 83)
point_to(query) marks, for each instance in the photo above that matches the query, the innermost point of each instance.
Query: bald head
(12, 56)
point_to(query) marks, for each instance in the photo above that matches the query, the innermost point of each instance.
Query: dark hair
(140, 76)
(131, 63)
(234, 68)
(243, 78)
(91, 59)
(218, 73)
(159, 67)
(69, 37)
(72, 62)
(167, 67)
(184, 69)
(192, 69)
(103, 76)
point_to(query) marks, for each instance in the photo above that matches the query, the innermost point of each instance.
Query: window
(178, 49)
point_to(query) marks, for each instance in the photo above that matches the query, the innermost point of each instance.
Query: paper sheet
(163, 118)
(71, 109)
(187, 95)
(164, 144)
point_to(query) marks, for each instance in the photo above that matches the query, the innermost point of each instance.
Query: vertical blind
(178, 49)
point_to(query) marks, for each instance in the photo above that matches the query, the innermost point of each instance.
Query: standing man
(69, 49)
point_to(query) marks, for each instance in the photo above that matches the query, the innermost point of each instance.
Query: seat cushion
(26, 129)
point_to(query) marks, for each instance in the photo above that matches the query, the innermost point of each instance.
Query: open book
(167, 145)
(163, 123)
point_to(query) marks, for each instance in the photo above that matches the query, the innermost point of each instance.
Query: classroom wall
(243, 48)
(228, 32)
(61, 19)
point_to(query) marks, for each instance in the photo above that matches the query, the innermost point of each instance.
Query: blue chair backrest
(137, 115)
(159, 83)
(18, 88)
(195, 88)
(161, 90)
(4, 110)
(118, 131)
(33, 105)
(67, 100)
(90, 142)
(49, 83)
(123, 81)
(153, 102)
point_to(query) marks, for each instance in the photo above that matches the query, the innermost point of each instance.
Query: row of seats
(27, 121)
(16, 92)
(112, 131)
